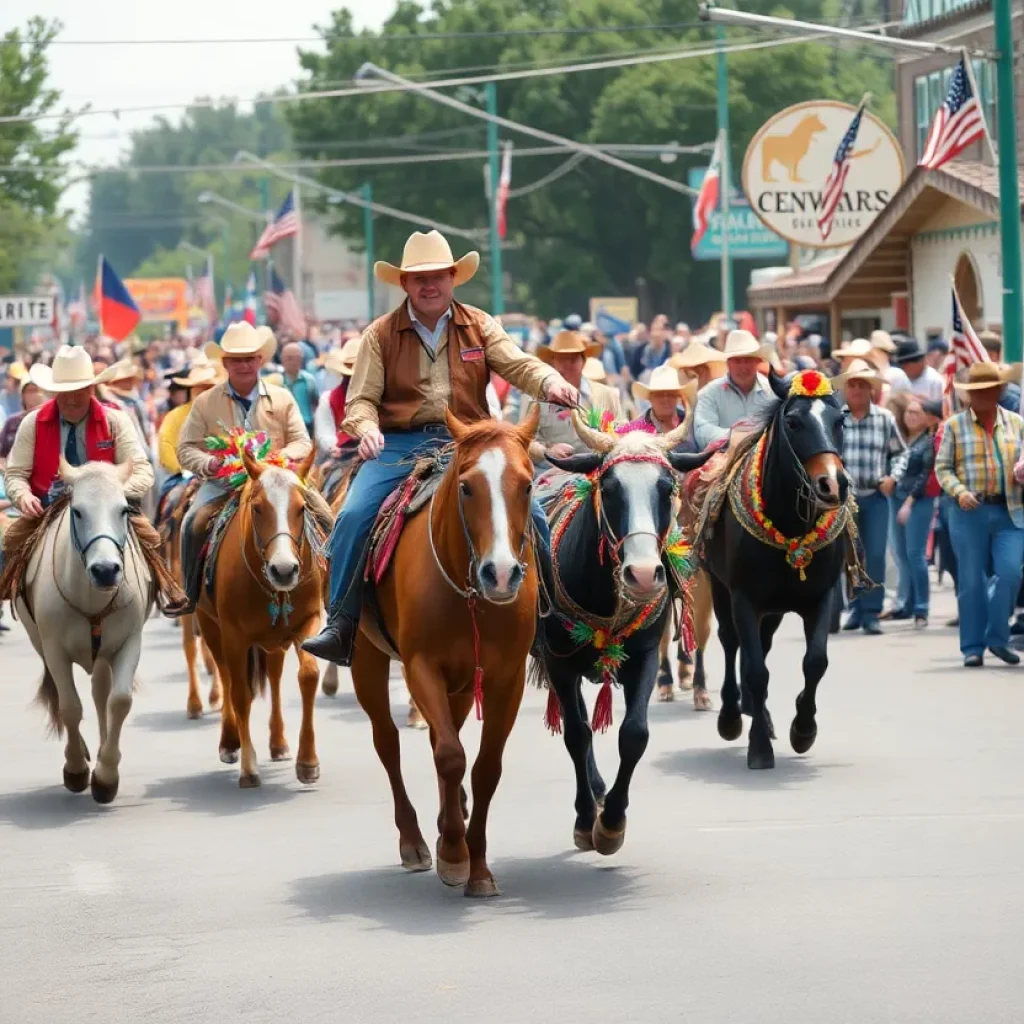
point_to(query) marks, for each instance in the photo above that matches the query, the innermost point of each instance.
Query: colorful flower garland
(256, 443)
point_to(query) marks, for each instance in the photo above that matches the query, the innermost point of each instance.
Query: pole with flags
(965, 346)
(706, 201)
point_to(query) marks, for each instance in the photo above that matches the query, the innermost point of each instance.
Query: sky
(107, 77)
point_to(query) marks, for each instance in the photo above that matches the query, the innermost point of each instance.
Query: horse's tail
(537, 674)
(257, 664)
(47, 698)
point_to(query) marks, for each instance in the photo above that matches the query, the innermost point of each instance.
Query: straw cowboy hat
(593, 369)
(859, 348)
(342, 361)
(983, 375)
(125, 369)
(202, 370)
(665, 380)
(242, 339)
(883, 340)
(424, 253)
(860, 369)
(741, 344)
(696, 354)
(72, 370)
(568, 343)
(17, 371)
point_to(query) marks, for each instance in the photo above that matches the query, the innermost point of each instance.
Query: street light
(213, 197)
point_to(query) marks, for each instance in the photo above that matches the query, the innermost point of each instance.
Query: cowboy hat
(424, 253)
(17, 371)
(568, 343)
(983, 375)
(593, 369)
(859, 348)
(124, 369)
(72, 370)
(908, 351)
(665, 380)
(741, 344)
(883, 340)
(242, 339)
(201, 371)
(696, 354)
(342, 361)
(860, 369)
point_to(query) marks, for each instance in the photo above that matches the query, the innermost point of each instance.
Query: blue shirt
(303, 390)
(430, 338)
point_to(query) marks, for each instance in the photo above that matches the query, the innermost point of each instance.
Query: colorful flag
(835, 186)
(116, 309)
(283, 310)
(202, 292)
(706, 201)
(249, 313)
(965, 345)
(284, 225)
(957, 124)
(504, 183)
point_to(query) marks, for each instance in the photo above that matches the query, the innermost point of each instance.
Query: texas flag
(707, 199)
(115, 308)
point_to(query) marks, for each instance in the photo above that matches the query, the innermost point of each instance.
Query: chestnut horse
(267, 595)
(460, 603)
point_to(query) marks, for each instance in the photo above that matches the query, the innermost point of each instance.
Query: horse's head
(99, 518)
(810, 423)
(495, 480)
(634, 474)
(274, 500)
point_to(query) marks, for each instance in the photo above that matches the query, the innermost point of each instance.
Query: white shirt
(929, 384)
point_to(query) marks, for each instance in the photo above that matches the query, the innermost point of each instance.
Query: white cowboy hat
(72, 370)
(740, 343)
(242, 339)
(125, 369)
(859, 369)
(202, 370)
(593, 369)
(859, 348)
(424, 253)
(883, 340)
(342, 361)
(665, 380)
(696, 354)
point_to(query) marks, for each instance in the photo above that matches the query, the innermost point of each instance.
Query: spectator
(938, 349)
(299, 382)
(31, 398)
(699, 361)
(657, 350)
(10, 398)
(925, 382)
(882, 349)
(594, 371)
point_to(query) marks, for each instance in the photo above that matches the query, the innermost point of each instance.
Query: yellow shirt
(167, 438)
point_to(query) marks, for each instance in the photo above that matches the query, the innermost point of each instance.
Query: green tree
(30, 223)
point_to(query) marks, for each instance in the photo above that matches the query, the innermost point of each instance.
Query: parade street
(878, 878)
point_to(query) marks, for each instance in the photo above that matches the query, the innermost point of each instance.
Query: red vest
(99, 445)
(337, 400)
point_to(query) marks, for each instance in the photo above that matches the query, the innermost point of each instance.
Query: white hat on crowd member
(859, 369)
(883, 340)
(697, 353)
(665, 379)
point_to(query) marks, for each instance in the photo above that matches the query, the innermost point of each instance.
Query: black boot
(545, 596)
(335, 642)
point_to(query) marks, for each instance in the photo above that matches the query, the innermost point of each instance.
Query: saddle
(698, 483)
(169, 509)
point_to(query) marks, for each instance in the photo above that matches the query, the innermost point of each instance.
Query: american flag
(284, 225)
(957, 123)
(283, 310)
(832, 193)
(966, 346)
(202, 292)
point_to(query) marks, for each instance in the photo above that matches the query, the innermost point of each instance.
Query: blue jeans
(370, 487)
(910, 545)
(986, 534)
(873, 524)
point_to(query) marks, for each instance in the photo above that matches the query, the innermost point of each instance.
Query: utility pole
(726, 183)
(367, 192)
(493, 161)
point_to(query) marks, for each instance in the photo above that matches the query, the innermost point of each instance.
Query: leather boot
(336, 641)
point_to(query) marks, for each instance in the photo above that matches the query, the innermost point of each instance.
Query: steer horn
(595, 440)
(666, 442)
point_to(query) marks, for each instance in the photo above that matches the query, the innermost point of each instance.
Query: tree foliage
(596, 230)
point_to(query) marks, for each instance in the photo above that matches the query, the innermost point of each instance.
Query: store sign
(749, 239)
(790, 159)
(160, 299)
(26, 310)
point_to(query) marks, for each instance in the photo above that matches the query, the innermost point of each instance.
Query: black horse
(754, 584)
(609, 570)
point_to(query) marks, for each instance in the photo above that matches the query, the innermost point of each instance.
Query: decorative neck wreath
(256, 443)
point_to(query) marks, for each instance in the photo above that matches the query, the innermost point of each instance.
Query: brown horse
(266, 598)
(173, 507)
(460, 603)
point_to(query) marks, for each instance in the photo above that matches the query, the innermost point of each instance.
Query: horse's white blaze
(278, 484)
(492, 465)
(818, 412)
(640, 552)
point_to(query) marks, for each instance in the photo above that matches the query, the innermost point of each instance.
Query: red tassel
(478, 693)
(553, 713)
(600, 550)
(689, 640)
(603, 708)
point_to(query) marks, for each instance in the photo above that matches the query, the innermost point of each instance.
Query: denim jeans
(873, 525)
(943, 540)
(982, 536)
(910, 546)
(370, 487)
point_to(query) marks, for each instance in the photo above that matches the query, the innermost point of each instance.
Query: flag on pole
(835, 186)
(249, 313)
(283, 310)
(284, 225)
(504, 183)
(957, 124)
(203, 294)
(965, 345)
(116, 309)
(706, 201)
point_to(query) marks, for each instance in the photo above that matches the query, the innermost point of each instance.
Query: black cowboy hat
(908, 350)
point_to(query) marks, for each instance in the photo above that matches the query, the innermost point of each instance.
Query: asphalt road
(878, 878)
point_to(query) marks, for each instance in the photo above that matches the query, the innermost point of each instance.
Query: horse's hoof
(607, 842)
(666, 694)
(729, 728)
(481, 888)
(194, 713)
(583, 839)
(801, 742)
(103, 792)
(307, 773)
(215, 703)
(760, 760)
(76, 782)
(249, 781)
(415, 719)
(416, 858)
(280, 753)
(771, 725)
(330, 687)
(685, 683)
(702, 700)
(453, 875)
(229, 756)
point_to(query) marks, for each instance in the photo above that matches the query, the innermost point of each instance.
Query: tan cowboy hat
(860, 369)
(72, 370)
(125, 369)
(740, 343)
(202, 370)
(859, 348)
(242, 339)
(568, 343)
(983, 375)
(593, 369)
(883, 340)
(697, 353)
(342, 361)
(17, 371)
(665, 380)
(424, 253)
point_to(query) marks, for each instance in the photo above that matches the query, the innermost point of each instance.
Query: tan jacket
(555, 425)
(126, 448)
(215, 412)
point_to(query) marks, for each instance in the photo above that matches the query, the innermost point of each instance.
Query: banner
(160, 299)
(625, 308)
(26, 310)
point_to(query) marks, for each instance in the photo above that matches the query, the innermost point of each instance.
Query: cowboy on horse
(243, 400)
(430, 354)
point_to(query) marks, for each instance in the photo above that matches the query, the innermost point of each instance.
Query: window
(922, 112)
(918, 11)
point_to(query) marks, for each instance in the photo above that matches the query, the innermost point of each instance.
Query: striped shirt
(971, 459)
(872, 449)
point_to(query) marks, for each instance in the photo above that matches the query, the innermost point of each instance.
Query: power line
(559, 172)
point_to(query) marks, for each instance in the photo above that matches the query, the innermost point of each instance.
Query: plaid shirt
(970, 459)
(872, 449)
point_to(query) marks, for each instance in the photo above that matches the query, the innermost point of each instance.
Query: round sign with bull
(819, 173)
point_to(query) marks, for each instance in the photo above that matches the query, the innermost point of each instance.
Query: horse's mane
(488, 431)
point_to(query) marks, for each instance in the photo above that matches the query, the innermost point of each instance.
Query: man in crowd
(299, 383)
(925, 382)
(883, 348)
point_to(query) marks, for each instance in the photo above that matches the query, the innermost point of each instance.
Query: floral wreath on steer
(608, 634)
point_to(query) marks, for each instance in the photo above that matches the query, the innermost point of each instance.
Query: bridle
(805, 500)
(83, 550)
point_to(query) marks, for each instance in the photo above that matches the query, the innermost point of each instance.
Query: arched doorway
(967, 287)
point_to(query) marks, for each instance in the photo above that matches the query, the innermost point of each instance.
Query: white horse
(88, 593)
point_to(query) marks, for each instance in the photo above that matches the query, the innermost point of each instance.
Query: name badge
(472, 355)
(104, 445)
